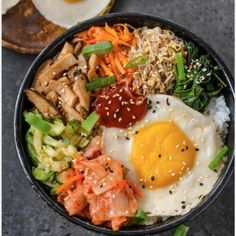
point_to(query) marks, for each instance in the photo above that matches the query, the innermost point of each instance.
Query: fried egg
(167, 154)
(7, 4)
(67, 13)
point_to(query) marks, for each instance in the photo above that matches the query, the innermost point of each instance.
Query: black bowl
(137, 20)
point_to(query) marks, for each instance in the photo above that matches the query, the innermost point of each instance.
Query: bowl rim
(38, 187)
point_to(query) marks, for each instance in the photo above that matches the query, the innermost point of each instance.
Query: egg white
(68, 14)
(188, 192)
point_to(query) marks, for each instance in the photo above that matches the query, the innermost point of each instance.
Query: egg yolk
(161, 154)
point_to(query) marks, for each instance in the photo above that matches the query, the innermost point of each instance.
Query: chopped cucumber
(41, 174)
(57, 128)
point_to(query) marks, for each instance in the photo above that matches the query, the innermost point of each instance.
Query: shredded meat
(47, 109)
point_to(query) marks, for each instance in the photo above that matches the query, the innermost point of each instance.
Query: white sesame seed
(106, 108)
(109, 102)
(128, 109)
(119, 120)
(115, 115)
(133, 117)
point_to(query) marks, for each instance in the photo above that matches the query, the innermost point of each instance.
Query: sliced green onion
(180, 66)
(37, 122)
(140, 60)
(100, 82)
(88, 124)
(41, 174)
(140, 217)
(218, 157)
(97, 48)
(181, 230)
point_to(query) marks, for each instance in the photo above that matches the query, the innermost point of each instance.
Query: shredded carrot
(68, 183)
(105, 68)
(122, 39)
(119, 66)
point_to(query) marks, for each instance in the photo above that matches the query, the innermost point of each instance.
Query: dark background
(24, 213)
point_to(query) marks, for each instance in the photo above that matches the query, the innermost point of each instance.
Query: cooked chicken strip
(71, 113)
(82, 93)
(42, 104)
(53, 97)
(67, 48)
(36, 83)
(64, 91)
(59, 66)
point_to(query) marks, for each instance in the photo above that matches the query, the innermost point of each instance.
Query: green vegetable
(140, 217)
(47, 139)
(200, 82)
(181, 230)
(180, 66)
(57, 128)
(83, 142)
(37, 122)
(140, 60)
(88, 124)
(30, 148)
(218, 157)
(50, 151)
(37, 141)
(193, 52)
(100, 82)
(72, 127)
(53, 191)
(41, 174)
(98, 48)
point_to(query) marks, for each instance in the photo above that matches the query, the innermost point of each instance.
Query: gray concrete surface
(24, 213)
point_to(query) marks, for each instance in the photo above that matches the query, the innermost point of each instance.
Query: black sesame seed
(149, 102)
(152, 178)
(153, 111)
(215, 170)
(183, 202)
(136, 132)
(197, 149)
(183, 207)
(130, 186)
(159, 155)
(122, 166)
(143, 186)
(82, 172)
(127, 138)
(167, 102)
(101, 185)
(149, 107)
(201, 184)
(186, 147)
(157, 102)
(170, 192)
(182, 150)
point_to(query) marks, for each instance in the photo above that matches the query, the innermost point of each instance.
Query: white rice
(219, 114)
